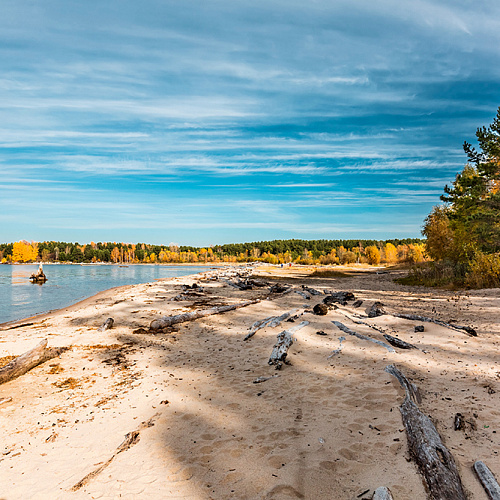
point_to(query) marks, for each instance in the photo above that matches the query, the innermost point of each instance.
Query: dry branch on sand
(272, 322)
(131, 438)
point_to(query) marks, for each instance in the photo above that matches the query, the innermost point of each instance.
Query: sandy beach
(129, 413)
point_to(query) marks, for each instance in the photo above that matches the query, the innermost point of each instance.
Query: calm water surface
(67, 284)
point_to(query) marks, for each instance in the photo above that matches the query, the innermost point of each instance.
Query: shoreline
(42, 315)
(323, 423)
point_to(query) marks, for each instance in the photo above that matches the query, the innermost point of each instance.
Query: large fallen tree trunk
(488, 480)
(434, 460)
(272, 322)
(284, 341)
(166, 321)
(344, 328)
(25, 362)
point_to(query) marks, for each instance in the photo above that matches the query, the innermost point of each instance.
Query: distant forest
(273, 252)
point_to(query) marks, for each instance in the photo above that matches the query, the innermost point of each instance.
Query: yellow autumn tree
(372, 253)
(391, 253)
(22, 251)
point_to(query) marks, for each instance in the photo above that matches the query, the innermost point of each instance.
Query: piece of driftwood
(458, 422)
(39, 276)
(107, 325)
(415, 317)
(355, 319)
(25, 362)
(490, 484)
(344, 328)
(310, 290)
(240, 285)
(259, 380)
(376, 309)
(337, 351)
(283, 343)
(8, 399)
(357, 303)
(433, 459)
(338, 297)
(131, 438)
(272, 321)
(166, 321)
(382, 493)
(303, 294)
(279, 288)
(398, 342)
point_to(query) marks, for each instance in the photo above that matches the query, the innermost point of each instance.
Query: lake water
(68, 284)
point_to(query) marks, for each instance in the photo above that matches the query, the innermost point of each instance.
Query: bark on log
(415, 317)
(361, 336)
(166, 321)
(272, 322)
(284, 341)
(107, 325)
(398, 342)
(25, 362)
(303, 294)
(382, 493)
(434, 460)
(488, 480)
(310, 290)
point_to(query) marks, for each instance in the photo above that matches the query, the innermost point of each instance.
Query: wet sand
(321, 429)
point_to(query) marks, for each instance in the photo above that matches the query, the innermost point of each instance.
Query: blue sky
(209, 122)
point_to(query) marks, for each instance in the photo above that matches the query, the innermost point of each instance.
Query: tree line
(273, 252)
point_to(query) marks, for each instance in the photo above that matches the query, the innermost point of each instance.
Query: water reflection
(68, 284)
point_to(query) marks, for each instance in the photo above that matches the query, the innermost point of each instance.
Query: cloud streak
(275, 119)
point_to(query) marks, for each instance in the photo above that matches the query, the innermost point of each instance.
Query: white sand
(322, 429)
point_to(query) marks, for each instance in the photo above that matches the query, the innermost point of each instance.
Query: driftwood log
(166, 321)
(415, 317)
(272, 322)
(488, 480)
(433, 459)
(344, 328)
(382, 493)
(25, 362)
(303, 294)
(284, 341)
(310, 290)
(338, 297)
(398, 342)
(107, 325)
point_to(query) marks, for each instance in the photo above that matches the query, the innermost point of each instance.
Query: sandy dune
(321, 429)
